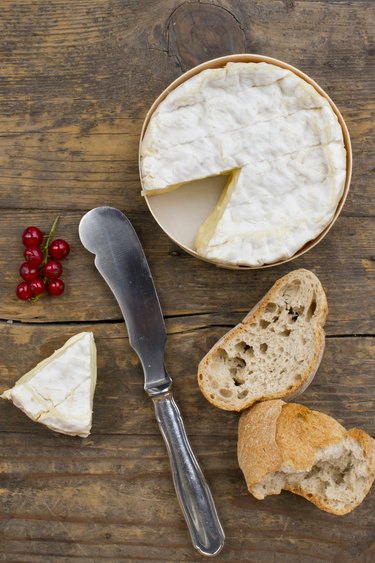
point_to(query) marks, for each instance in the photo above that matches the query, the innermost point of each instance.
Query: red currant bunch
(42, 270)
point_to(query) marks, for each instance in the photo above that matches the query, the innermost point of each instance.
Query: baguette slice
(274, 352)
(288, 446)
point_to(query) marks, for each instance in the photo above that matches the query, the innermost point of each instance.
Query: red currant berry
(37, 286)
(32, 236)
(52, 269)
(29, 272)
(56, 287)
(59, 249)
(33, 255)
(23, 291)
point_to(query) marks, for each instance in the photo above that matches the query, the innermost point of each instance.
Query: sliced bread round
(274, 352)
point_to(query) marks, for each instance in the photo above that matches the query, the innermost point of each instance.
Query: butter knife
(119, 257)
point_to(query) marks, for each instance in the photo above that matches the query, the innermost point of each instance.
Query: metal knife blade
(120, 259)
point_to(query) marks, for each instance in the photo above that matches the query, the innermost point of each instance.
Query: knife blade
(119, 257)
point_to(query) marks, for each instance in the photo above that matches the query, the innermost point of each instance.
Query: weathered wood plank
(76, 80)
(344, 386)
(343, 261)
(77, 500)
(74, 91)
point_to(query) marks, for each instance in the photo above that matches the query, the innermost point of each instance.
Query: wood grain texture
(100, 497)
(76, 81)
(343, 261)
(88, 509)
(344, 386)
(198, 32)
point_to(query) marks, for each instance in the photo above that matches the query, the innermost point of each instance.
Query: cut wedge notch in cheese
(207, 229)
(59, 391)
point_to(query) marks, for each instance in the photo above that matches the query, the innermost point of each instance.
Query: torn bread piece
(274, 352)
(288, 446)
(59, 391)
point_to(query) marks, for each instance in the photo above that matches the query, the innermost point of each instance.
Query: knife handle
(191, 487)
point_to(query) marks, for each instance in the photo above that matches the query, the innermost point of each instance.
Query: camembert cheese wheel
(275, 137)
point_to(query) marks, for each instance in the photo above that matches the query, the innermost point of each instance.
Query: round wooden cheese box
(182, 211)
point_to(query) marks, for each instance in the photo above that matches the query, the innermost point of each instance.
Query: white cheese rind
(59, 391)
(274, 126)
(252, 215)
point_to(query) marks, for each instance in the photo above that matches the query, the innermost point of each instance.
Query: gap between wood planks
(188, 330)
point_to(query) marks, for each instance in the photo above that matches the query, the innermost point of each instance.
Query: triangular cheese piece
(59, 391)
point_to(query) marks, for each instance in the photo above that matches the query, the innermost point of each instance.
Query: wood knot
(200, 32)
(289, 4)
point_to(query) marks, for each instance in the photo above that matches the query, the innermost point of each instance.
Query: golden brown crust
(367, 443)
(301, 431)
(260, 445)
(274, 435)
(253, 316)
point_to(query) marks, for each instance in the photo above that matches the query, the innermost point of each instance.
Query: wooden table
(76, 81)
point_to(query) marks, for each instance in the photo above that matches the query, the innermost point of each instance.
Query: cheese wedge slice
(277, 139)
(59, 391)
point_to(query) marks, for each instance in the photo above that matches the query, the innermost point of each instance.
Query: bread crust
(274, 435)
(260, 445)
(253, 316)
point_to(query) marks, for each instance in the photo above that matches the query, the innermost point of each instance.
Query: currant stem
(50, 235)
(48, 240)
